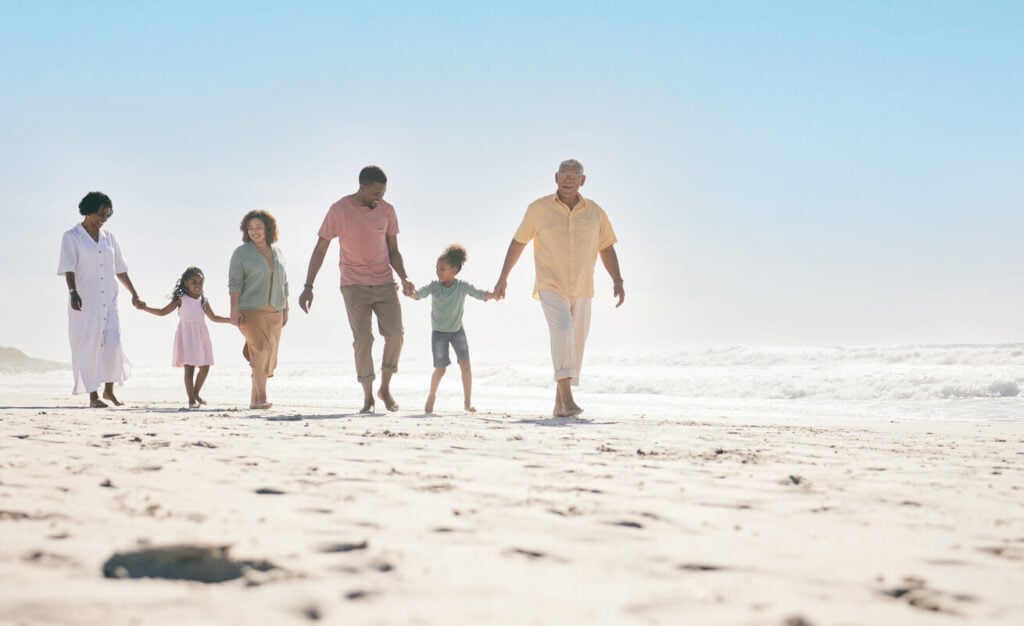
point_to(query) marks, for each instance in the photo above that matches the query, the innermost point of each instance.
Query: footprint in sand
(699, 567)
(343, 547)
(916, 593)
(1012, 553)
(534, 554)
(626, 524)
(269, 491)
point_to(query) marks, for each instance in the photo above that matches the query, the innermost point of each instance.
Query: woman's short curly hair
(269, 223)
(93, 202)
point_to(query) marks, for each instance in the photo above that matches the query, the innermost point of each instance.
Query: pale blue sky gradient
(777, 172)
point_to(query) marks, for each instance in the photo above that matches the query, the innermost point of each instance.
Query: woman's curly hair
(268, 222)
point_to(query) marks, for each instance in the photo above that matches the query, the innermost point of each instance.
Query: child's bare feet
(470, 408)
(265, 405)
(367, 406)
(109, 395)
(429, 406)
(199, 400)
(193, 405)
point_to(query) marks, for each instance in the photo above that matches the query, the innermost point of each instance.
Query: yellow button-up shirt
(565, 244)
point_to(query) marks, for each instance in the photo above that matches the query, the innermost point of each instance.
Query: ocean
(944, 382)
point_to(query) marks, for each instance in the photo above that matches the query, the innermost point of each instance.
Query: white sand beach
(623, 517)
(789, 232)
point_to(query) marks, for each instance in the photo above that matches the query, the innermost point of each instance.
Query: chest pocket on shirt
(587, 225)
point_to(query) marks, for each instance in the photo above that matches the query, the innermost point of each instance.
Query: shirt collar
(581, 204)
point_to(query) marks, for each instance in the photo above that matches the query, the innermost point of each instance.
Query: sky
(777, 173)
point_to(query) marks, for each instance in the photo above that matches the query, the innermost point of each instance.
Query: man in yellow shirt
(568, 233)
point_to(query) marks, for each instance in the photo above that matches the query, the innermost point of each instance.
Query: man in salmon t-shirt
(367, 232)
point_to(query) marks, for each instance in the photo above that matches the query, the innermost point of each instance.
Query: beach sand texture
(503, 518)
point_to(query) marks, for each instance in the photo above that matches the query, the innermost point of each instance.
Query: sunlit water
(964, 382)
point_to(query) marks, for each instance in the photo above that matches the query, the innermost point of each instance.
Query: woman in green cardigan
(258, 285)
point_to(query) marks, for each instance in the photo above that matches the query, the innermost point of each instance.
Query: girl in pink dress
(192, 346)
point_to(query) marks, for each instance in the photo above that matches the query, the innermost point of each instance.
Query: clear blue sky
(777, 172)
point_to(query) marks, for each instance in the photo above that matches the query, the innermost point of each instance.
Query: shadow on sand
(558, 421)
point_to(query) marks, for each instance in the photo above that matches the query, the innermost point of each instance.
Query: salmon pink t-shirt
(361, 233)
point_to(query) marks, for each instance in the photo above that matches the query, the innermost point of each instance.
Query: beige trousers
(262, 331)
(568, 325)
(361, 303)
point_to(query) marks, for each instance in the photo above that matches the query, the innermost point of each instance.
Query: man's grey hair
(571, 163)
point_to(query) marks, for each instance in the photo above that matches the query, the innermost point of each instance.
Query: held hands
(499, 289)
(408, 288)
(137, 303)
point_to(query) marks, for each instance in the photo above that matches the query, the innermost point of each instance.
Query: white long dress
(95, 331)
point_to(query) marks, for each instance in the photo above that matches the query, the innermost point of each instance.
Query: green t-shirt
(447, 305)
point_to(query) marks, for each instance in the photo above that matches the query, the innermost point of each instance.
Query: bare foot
(367, 406)
(193, 405)
(109, 395)
(388, 401)
(429, 406)
(96, 403)
(200, 400)
(265, 405)
(470, 408)
(571, 410)
(562, 410)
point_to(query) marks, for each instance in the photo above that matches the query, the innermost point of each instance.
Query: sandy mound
(14, 361)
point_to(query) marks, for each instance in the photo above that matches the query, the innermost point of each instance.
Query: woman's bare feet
(388, 401)
(109, 395)
(469, 407)
(429, 406)
(264, 405)
(96, 403)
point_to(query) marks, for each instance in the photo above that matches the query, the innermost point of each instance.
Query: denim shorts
(439, 346)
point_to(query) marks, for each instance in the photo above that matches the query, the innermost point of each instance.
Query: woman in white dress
(91, 263)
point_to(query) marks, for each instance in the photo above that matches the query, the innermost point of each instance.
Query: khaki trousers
(361, 303)
(262, 331)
